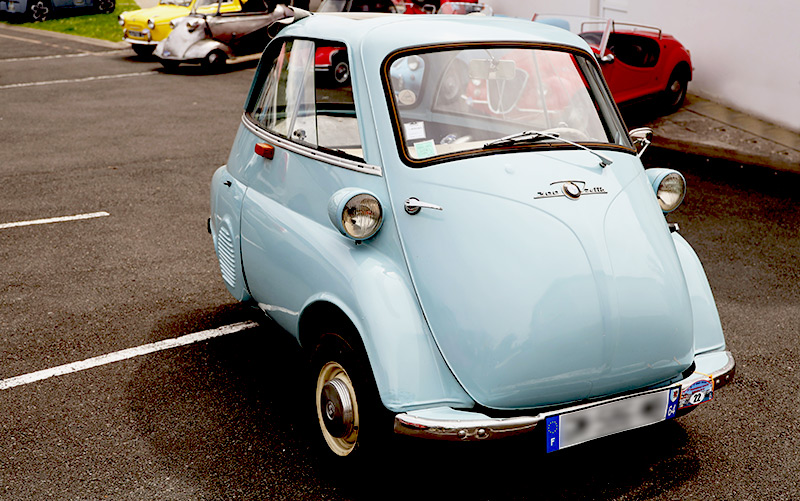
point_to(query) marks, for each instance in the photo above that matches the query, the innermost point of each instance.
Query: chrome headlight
(151, 24)
(121, 20)
(669, 186)
(357, 214)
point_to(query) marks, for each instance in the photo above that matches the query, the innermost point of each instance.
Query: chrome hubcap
(338, 415)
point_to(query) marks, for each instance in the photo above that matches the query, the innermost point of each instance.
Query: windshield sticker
(414, 130)
(425, 149)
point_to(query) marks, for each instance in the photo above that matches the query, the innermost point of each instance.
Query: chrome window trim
(309, 152)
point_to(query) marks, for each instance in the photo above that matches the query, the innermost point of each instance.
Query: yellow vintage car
(144, 28)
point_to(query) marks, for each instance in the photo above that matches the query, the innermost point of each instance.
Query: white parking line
(60, 219)
(76, 80)
(58, 56)
(124, 355)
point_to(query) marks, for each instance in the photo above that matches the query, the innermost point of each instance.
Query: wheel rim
(337, 409)
(341, 72)
(39, 11)
(676, 89)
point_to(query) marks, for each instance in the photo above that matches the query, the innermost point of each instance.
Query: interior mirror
(492, 69)
(641, 137)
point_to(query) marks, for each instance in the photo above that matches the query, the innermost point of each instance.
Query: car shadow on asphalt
(231, 414)
(192, 69)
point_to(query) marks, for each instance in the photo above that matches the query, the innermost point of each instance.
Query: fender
(708, 334)
(201, 49)
(409, 370)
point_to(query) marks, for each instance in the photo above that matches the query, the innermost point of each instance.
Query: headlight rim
(338, 207)
(658, 177)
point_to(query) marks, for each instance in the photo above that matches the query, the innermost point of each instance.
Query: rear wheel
(142, 50)
(347, 405)
(106, 6)
(675, 93)
(39, 10)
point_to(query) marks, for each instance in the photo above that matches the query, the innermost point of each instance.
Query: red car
(637, 60)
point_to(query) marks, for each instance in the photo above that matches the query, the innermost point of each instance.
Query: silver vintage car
(211, 40)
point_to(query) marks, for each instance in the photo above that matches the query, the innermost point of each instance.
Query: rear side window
(303, 93)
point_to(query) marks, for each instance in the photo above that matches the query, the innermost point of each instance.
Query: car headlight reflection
(121, 20)
(671, 191)
(151, 24)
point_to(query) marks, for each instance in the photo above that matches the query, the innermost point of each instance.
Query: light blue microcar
(463, 238)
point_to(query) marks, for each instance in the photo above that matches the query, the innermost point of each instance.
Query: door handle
(413, 205)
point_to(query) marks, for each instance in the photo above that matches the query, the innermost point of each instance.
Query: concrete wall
(746, 53)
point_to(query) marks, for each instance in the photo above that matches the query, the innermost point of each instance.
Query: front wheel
(39, 10)
(346, 399)
(214, 61)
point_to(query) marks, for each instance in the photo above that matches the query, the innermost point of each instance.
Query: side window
(634, 50)
(301, 100)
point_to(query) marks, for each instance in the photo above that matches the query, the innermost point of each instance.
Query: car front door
(302, 144)
(632, 72)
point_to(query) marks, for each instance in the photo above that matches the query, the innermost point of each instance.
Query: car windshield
(175, 2)
(453, 101)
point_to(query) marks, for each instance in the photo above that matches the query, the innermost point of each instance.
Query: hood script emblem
(570, 189)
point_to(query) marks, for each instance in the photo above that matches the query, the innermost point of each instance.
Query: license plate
(577, 427)
(135, 34)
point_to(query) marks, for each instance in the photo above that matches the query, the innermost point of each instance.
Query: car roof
(381, 34)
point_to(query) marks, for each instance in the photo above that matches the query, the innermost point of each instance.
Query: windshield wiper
(531, 136)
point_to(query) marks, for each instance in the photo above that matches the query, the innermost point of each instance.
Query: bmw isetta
(463, 238)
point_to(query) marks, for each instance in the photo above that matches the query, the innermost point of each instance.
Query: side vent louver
(226, 255)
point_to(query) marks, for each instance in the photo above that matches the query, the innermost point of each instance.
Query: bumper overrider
(712, 371)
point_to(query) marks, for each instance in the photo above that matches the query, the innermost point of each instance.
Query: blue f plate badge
(589, 423)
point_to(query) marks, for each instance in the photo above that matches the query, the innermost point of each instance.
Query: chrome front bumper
(445, 423)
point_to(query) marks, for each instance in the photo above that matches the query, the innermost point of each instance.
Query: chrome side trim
(310, 152)
(483, 428)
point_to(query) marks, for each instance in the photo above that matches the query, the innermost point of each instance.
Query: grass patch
(102, 26)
